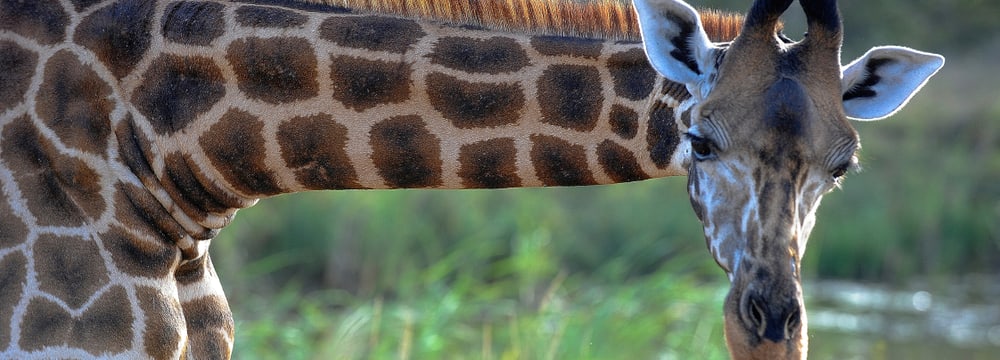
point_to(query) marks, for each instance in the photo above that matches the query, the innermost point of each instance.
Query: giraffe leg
(206, 311)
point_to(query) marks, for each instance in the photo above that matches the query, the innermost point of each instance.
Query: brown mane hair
(605, 19)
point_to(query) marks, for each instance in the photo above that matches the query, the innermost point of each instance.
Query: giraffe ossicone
(132, 130)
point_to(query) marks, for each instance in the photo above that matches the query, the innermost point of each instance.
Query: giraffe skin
(132, 131)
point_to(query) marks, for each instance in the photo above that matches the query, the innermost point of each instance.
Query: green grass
(657, 317)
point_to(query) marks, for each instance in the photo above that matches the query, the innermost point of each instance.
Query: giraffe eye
(701, 147)
(839, 172)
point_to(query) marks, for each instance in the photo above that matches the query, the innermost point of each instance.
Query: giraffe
(131, 132)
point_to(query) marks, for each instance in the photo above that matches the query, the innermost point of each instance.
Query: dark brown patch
(75, 103)
(176, 90)
(686, 118)
(315, 148)
(139, 255)
(192, 271)
(164, 322)
(60, 190)
(81, 5)
(138, 210)
(570, 96)
(13, 276)
(624, 121)
(69, 268)
(44, 324)
(633, 76)
(193, 22)
(119, 34)
(41, 20)
(235, 147)
(619, 163)
(560, 163)
(17, 65)
(474, 105)
(275, 70)
(208, 318)
(567, 46)
(182, 179)
(376, 33)
(490, 56)
(260, 16)
(361, 84)
(134, 150)
(405, 153)
(13, 230)
(106, 326)
(489, 164)
(662, 136)
(675, 90)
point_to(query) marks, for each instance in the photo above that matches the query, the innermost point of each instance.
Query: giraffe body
(132, 131)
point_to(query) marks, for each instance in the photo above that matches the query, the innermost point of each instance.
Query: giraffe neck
(237, 102)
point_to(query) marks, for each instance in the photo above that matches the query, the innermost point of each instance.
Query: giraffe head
(769, 136)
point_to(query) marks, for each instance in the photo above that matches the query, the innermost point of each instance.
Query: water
(956, 320)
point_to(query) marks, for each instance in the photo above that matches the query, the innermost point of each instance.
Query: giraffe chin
(746, 329)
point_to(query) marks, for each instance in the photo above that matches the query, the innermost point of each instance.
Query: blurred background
(904, 262)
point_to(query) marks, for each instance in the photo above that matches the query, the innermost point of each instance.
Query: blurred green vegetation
(620, 271)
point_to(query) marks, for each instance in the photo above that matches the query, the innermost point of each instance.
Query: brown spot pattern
(139, 211)
(60, 190)
(119, 34)
(361, 84)
(624, 121)
(632, 75)
(106, 327)
(559, 163)
(13, 276)
(236, 149)
(474, 105)
(17, 65)
(489, 164)
(376, 33)
(81, 5)
(570, 96)
(662, 135)
(139, 255)
(182, 179)
(192, 271)
(275, 70)
(675, 90)
(208, 318)
(164, 321)
(71, 268)
(619, 163)
(314, 147)
(260, 16)
(405, 153)
(176, 90)
(486, 56)
(568, 46)
(74, 102)
(13, 231)
(42, 20)
(134, 149)
(193, 22)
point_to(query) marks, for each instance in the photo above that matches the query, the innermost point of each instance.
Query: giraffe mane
(605, 19)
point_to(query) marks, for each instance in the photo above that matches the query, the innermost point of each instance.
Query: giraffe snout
(772, 318)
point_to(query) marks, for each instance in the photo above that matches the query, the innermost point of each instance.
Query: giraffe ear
(883, 80)
(675, 41)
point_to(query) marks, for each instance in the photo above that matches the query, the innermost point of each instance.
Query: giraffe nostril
(773, 319)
